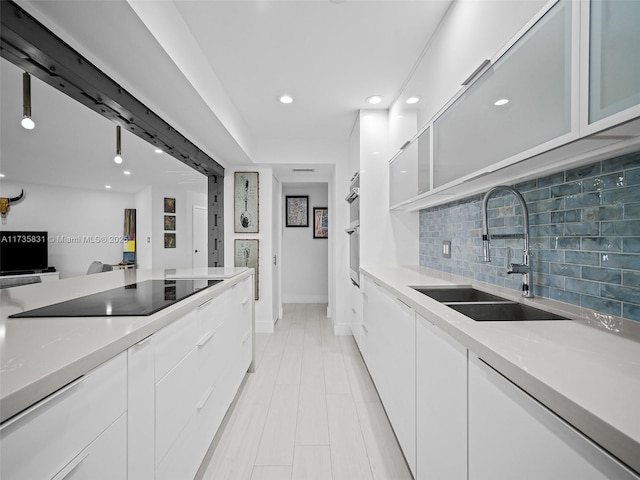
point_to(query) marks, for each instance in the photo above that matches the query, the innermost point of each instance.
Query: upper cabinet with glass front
(564, 91)
(410, 170)
(611, 64)
(520, 104)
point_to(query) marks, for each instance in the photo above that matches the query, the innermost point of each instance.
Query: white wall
(179, 257)
(304, 258)
(385, 237)
(144, 228)
(264, 312)
(74, 218)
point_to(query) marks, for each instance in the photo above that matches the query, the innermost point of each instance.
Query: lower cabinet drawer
(104, 459)
(176, 399)
(41, 442)
(186, 454)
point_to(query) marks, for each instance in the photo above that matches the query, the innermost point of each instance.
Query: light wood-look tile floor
(310, 411)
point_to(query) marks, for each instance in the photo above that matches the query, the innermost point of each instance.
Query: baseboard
(306, 299)
(342, 329)
(264, 326)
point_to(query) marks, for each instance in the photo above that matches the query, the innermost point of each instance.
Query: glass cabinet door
(410, 172)
(614, 57)
(522, 101)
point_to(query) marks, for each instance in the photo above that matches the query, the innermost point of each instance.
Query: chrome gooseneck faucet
(525, 267)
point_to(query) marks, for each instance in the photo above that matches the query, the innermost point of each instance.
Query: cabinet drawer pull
(364, 327)
(143, 341)
(205, 398)
(246, 337)
(203, 304)
(43, 402)
(208, 336)
(70, 467)
(244, 301)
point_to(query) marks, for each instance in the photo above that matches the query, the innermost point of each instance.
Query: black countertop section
(136, 299)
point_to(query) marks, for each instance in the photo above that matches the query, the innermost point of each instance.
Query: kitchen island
(585, 370)
(203, 342)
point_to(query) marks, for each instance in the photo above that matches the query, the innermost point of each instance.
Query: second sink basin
(484, 312)
(458, 294)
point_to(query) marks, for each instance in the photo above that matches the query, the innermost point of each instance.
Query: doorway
(305, 259)
(199, 237)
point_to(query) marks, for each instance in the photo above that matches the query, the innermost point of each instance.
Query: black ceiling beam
(31, 46)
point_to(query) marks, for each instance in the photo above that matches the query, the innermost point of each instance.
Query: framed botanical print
(297, 210)
(246, 202)
(247, 254)
(320, 222)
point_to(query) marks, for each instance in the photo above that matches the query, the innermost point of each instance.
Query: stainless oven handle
(353, 194)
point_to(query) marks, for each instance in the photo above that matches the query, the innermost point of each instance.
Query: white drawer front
(176, 399)
(104, 459)
(53, 432)
(174, 342)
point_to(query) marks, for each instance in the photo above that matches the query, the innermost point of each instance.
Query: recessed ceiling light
(107, 187)
(374, 99)
(127, 172)
(1, 175)
(286, 99)
(376, 153)
(502, 101)
(158, 150)
(412, 100)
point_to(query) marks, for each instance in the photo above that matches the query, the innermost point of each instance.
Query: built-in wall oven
(354, 228)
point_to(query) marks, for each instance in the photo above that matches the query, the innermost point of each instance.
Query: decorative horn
(15, 199)
(5, 202)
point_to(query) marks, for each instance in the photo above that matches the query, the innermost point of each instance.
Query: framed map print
(246, 202)
(297, 212)
(320, 222)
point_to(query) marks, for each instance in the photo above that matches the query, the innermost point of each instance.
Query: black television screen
(23, 251)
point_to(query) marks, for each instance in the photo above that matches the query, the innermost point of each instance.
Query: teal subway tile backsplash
(585, 236)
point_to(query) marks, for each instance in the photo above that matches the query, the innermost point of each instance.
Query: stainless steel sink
(485, 307)
(497, 312)
(459, 295)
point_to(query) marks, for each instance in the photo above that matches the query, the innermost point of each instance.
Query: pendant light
(118, 157)
(26, 122)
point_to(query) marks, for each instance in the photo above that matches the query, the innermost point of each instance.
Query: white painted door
(199, 239)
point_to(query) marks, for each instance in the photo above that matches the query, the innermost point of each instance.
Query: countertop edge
(21, 399)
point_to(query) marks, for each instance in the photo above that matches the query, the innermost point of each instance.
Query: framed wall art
(247, 254)
(169, 240)
(320, 222)
(297, 210)
(169, 205)
(246, 202)
(170, 222)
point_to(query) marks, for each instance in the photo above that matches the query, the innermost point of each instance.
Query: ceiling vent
(303, 170)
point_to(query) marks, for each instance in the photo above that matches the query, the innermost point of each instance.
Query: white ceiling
(214, 69)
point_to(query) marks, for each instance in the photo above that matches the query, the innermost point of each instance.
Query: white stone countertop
(578, 368)
(40, 355)
(204, 272)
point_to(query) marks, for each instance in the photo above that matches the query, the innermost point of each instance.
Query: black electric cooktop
(137, 299)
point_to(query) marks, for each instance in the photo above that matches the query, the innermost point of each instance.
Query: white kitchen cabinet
(410, 170)
(391, 362)
(511, 435)
(523, 100)
(611, 63)
(441, 404)
(141, 409)
(49, 437)
(192, 398)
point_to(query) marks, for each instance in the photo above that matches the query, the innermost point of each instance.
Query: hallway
(310, 411)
